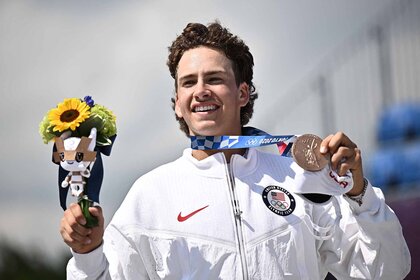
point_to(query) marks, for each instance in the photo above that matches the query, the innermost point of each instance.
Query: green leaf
(93, 121)
(102, 140)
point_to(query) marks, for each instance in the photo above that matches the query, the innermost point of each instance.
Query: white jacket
(207, 219)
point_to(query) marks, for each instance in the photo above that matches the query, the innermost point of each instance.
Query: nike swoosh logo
(184, 218)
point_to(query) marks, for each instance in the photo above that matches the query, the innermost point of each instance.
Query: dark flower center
(69, 115)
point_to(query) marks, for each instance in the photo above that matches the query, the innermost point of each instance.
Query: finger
(73, 239)
(357, 161)
(74, 230)
(97, 212)
(70, 221)
(77, 213)
(344, 167)
(77, 233)
(342, 160)
(358, 157)
(70, 242)
(325, 144)
(339, 139)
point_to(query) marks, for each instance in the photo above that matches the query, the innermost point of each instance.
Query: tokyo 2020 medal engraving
(306, 152)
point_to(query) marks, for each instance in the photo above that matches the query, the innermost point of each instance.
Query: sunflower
(68, 114)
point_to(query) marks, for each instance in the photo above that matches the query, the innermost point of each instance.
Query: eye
(61, 156)
(215, 80)
(188, 83)
(79, 157)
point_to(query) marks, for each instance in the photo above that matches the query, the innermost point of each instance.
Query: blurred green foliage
(17, 264)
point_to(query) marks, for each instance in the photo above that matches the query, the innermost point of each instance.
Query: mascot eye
(79, 157)
(61, 156)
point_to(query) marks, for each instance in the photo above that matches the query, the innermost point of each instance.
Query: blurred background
(320, 66)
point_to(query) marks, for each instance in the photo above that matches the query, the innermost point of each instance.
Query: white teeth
(205, 108)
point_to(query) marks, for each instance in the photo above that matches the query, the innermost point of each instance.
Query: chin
(206, 132)
(212, 128)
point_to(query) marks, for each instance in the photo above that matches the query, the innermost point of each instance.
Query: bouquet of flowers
(81, 130)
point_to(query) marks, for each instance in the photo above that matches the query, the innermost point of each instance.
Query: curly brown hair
(217, 37)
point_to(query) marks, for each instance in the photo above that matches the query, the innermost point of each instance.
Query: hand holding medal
(345, 157)
(81, 131)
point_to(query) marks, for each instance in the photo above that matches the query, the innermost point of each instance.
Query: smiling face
(74, 163)
(208, 97)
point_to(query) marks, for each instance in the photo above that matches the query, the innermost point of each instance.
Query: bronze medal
(306, 152)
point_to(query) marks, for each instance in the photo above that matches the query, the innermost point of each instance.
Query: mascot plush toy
(81, 131)
(77, 156)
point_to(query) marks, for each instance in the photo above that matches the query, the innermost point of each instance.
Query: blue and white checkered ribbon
(253, 138)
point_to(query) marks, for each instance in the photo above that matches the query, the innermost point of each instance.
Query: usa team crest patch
(279, 200)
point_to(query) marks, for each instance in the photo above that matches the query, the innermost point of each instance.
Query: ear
(59, 144)
(92, 136)
(177, 107)
(243, 94)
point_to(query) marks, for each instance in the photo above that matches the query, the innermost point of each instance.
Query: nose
(201, 92)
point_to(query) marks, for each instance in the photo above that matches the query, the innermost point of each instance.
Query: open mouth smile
(207, 108)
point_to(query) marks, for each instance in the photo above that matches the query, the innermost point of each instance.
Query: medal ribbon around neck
(251, 138)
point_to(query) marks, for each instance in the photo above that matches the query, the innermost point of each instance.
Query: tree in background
(16, 264)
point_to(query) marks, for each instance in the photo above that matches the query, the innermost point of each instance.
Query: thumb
(97, 212)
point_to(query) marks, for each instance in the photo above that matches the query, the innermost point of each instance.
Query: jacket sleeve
(116, 258)
(369, 243)
(93, 265)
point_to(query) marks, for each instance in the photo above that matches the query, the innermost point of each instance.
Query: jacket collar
(216, 166)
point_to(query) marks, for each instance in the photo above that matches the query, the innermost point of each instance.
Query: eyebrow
(189, 76)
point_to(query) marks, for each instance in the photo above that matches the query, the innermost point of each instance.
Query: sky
(116, 52)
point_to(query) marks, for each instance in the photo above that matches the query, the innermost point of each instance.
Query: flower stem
(85, 203)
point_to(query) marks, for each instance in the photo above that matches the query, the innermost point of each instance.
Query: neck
(200, 154)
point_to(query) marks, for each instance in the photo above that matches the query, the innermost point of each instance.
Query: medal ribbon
(251, 138)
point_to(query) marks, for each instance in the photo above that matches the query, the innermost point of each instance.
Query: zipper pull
(238, 213)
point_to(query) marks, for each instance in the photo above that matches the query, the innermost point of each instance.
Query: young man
(207, 215)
